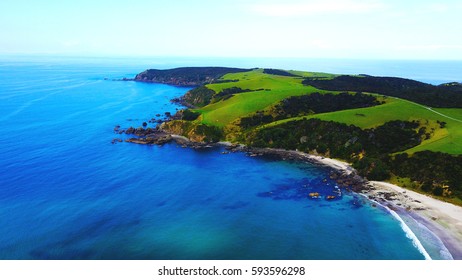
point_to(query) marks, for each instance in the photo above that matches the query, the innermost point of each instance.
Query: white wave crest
(410, 234)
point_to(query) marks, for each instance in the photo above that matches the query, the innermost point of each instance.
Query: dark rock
(389, 196)
(116, 140)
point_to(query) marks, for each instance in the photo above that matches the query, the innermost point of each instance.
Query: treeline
(322, 103)
(445, 95)
(187, 115)
(370, 151)
(278, 72)
(314, 103)
(186, 76)
(198, 97)
(339, 140)
(201, 96)
(229, 92)
(434, 170)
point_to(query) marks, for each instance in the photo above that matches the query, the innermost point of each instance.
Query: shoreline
(442, 219)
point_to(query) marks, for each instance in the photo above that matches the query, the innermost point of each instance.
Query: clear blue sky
(398, 29)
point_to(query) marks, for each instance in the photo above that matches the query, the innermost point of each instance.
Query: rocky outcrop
(147, 136)
(196, 132)
(152, 139)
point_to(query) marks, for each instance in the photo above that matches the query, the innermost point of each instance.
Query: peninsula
(385, 129)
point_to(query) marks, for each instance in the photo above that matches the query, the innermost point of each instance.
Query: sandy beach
(441, 218)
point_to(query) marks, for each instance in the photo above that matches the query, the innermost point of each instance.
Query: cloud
(316, 7)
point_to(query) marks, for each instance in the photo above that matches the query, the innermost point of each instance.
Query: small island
(397, 141)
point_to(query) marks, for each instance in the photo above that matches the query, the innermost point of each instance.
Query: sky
(360, 29)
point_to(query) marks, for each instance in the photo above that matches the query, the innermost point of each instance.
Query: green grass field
(276, 88)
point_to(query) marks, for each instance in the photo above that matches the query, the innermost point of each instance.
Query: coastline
(443, 220)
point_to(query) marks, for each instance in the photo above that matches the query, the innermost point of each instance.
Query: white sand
(442, 218)
(332, 163)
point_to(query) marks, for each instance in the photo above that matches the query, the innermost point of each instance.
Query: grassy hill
(277, 88)
(391, 138)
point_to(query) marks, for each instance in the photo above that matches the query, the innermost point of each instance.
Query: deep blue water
(66, 192)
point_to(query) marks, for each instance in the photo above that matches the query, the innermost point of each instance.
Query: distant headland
(186, 76)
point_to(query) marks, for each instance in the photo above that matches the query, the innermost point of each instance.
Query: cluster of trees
(311, 135)
(278, 72)
(259, 118)
(438, 173)
(222, 81)
(445, 95)
(228, 93)
(394, 136)
(198, 97)
(201, 96)
(339, 140)
(314, 103)
(188, 115)
(322, 103)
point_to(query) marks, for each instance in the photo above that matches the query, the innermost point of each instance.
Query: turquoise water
(66, 192)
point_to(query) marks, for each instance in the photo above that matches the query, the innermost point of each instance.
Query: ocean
(67, 192)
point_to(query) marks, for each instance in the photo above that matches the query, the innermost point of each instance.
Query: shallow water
(66, 192)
